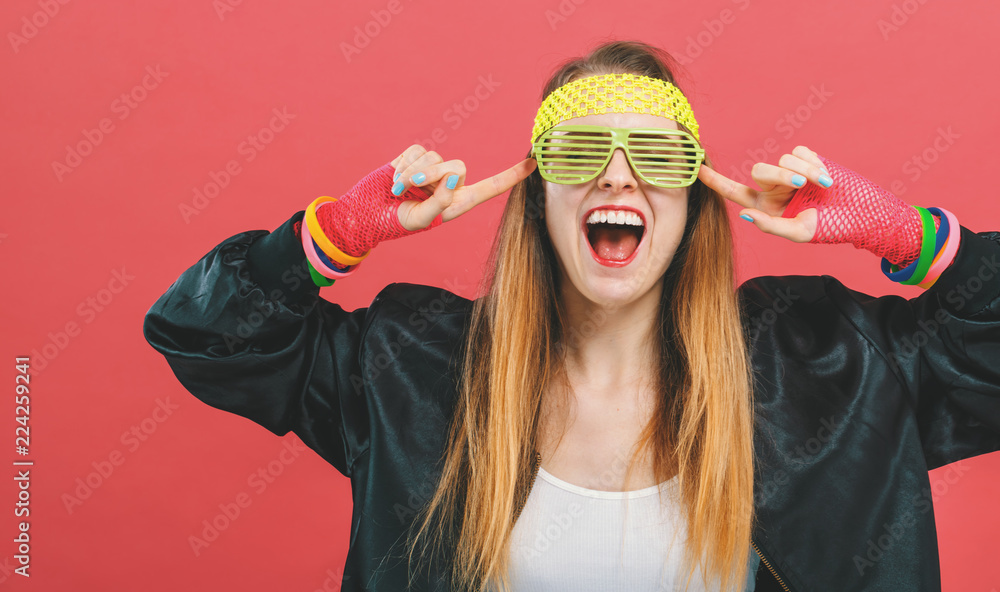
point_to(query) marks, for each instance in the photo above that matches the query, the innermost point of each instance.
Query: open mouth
(614, 234)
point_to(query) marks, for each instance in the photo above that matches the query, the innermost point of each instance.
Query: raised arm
(943, 345)
(245, 331)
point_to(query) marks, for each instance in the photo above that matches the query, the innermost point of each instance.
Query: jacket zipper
(534, 474)
(768, 565)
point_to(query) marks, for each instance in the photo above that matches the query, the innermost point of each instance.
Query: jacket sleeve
(245, 331)
(944, 345)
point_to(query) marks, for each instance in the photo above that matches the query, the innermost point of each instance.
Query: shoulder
(785, 293)
(409, 355)
(404, 311)
(805, 293)
(812, 308)
(417, 297)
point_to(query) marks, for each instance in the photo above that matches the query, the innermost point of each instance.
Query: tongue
(613, 243)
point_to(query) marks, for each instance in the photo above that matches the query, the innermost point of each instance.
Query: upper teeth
(614, 217)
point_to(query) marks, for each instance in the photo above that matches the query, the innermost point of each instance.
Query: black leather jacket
(857, 398)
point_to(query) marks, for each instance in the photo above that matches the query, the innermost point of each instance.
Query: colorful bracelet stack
(936, 251)
(326, 262)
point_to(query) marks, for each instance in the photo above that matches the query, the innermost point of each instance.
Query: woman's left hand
(777, 185)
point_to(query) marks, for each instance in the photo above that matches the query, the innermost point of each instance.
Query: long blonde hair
(701, 426)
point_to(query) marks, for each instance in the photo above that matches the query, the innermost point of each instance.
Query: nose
(618, 175)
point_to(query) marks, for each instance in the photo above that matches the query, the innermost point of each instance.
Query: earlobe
(534, 207)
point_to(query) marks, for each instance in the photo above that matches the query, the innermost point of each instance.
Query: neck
(608, 349)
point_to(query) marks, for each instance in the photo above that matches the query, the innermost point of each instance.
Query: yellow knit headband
(614, 93)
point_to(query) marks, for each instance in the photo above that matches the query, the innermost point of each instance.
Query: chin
(614, 292)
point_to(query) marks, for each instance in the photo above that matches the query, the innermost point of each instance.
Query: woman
(515, 441)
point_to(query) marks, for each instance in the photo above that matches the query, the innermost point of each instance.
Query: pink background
(884, 96)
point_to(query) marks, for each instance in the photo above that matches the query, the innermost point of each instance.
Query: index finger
(726, 187)
(471, 196)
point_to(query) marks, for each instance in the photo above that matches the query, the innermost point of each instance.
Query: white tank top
(572, 538)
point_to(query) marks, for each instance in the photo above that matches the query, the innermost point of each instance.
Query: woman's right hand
(444, 183)
(377, 209)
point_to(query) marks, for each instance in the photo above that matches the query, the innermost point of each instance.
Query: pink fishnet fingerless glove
(855, 210)
(367, 214)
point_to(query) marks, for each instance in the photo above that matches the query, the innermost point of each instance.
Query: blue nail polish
(397, 188)
(798, 180)
(825, 181)
(418, 178)
(396, 178)
(451, 182)
(747, 218)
